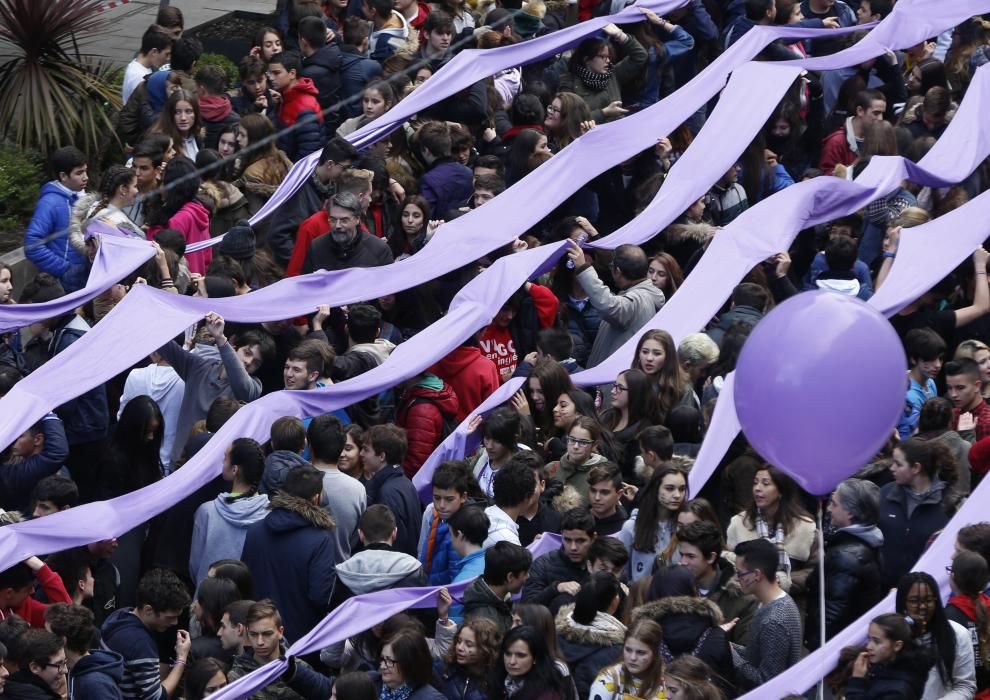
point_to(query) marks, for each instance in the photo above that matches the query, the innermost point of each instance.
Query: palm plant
(52, 94)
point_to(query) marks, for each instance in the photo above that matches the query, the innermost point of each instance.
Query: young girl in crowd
(212, 598)
(500, 439)
(406, 667)
(582, 454)
(205, 677)
(410, 233)
(954, 673)
(541, 619)
(665, 274)
(180, 119)
(776, 514)
(543, 388)
(569, 407)
(181, 210)
(640, 673)
(978, 352)
(634, 407)
(597, 78)
(688, 678)
(267, 42)
(466, 672)
(590, 635)
(118, 189)
(650, 534)
(568, 117)
(656, 355)
(969, 607)
(376, 99)
(893, 665)
(350, 456)
(262, 167)
(526, 671)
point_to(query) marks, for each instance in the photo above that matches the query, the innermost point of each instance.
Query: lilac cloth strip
(116, 253)
(355, 616)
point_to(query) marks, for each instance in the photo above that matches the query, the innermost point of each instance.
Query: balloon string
(821, 598)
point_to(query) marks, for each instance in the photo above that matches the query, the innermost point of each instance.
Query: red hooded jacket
(299, 98)
(471, 375)
(423, 422)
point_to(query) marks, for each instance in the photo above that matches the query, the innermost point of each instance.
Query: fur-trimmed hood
(604, 631)
(567, 499)
(292, 513)
(696, 233)
(679, 605)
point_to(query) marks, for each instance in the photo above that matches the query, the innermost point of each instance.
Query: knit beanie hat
(238, 243)
(529, 19)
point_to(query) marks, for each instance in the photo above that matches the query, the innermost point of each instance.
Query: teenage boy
(292, 552)
(93, 673)
(215, 106)
(468, 530)
(287, 439)
(254, 96)
(132, 633)
(538, 514)
(656, 447)
(74, 567)
(514, 488)
(343, 496)
(553, 343)
(36, 455)
(220, 525)
(356, 69)
(608, 554)
(309, 199)
(971, 414)
(446, 184)
(298, 107)
(17, 584)
(775, 632)
(45, 242)
(700, 547)
(436, 548)
(43, 667)
(605, 489)
(378, 566)
(500, 432)
(556, 577)
(385, 482)
(925, 350)
(233, 627)
(266, 637)
(842, 146)
(226, 368)
(506, 569)
(321, 63)
(156, 49)
(391, 30)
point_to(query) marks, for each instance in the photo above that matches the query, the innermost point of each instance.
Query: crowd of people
(655, 592)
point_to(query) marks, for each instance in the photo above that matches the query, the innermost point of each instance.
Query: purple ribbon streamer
(355, 616)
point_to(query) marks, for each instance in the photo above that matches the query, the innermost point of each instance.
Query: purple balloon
(819, 387)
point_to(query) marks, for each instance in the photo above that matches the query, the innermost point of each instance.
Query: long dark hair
(942, 636)
(142, 456)
(181, 183)
(544, 677)
(642, 405)
(789, 508)
(523, 146)
(213, 596)
(650, 509)
(199, 676)
(554, 381)
(970, 576)
(671, 381)
(595, 596)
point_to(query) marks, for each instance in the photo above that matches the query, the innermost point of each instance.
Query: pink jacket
(193, 220)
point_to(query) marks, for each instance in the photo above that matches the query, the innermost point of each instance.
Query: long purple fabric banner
(355, 616)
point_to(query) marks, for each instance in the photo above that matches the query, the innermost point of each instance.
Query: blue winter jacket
(445, 557)
(49, 252)
(97, 676)
(17, 480)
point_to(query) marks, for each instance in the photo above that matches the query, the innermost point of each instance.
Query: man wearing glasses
(345, 245)
(775, 632)
(43, 667)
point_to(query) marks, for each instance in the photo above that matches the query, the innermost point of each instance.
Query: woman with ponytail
(640, 673)
(118, 189)
(893, 666)
(954, 674)
(969, 606)
(913, 506)
(590, 636)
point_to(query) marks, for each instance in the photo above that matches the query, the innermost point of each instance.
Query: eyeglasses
(605, 55)
(619, 388)
(741, 574)
(62, 665)
(579, 441)
(553, 110)
(916, 602)
(948, 569)
(389, 663)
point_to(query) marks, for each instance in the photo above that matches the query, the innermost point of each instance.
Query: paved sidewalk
(127, 23)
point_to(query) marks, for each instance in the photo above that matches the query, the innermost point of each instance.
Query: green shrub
(222, 62)
(21, 176)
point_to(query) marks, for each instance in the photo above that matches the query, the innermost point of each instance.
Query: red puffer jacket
(421, 413)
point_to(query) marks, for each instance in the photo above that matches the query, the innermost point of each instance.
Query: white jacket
(963, 683)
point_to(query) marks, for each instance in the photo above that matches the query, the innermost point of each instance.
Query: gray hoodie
(219, 529)
(379, 570)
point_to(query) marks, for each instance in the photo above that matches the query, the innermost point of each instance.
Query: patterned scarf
(512, 686)
(403, 692)
(763, 530)
(593, 80)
